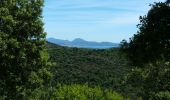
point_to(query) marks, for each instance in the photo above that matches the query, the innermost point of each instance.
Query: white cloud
(124, 19)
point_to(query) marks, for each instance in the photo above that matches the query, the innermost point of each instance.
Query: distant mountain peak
(78, 40)
(80, 43)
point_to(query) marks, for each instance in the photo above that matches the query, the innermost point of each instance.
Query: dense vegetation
(23, 59)
(84, 92)
(140, 71)
(105, 68)
(151, 42)
(149, 54)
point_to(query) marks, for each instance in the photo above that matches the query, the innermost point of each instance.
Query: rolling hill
(96, 67)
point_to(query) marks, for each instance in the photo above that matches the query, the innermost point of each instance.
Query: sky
(94, 20)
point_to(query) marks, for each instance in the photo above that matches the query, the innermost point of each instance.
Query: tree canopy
(152, 41)
(23, 59)
(149, 54)
(167, 1)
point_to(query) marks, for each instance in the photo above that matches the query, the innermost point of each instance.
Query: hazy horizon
(81, 39)
(93, 20)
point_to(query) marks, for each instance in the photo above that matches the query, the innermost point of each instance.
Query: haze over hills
(80, 43)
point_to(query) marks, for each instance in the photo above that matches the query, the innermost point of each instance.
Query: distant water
(80, 43)
(94, 47)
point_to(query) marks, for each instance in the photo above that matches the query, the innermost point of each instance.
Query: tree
(152, 40)
(23, 59)
(167, 1)
(149, 54)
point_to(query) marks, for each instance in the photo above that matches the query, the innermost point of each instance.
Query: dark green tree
(167, 1)
(149, 52)
(152, 40)
(23, 58)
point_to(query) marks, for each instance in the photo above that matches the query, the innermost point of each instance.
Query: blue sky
(93, 20)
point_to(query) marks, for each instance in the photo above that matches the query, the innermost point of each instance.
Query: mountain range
(80, 43)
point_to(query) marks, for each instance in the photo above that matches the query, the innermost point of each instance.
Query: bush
(162, 96)
(84, 92)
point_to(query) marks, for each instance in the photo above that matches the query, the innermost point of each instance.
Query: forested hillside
(103, 68)
(33, 69)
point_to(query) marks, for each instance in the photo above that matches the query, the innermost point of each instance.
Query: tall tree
(149, 53)
(23, 61)
(152, 40)
(167, 1)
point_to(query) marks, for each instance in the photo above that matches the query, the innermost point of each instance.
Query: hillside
(104, 67)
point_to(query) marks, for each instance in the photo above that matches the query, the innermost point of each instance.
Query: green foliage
(105, 68)
(149, 82)
(24, 65)
(152, 40)
(149, 53)
(22, 46)
(84, 92)
(162, 96)
(75, 92)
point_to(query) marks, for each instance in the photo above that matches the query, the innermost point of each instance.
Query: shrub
(84, 92)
